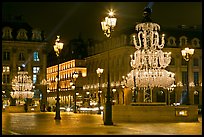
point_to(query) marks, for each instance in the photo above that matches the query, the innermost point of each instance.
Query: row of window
(21, 57)
(183, 41)
(6, 71)
(195, 75)
(183, 62)
(63, 66)
(22, 34)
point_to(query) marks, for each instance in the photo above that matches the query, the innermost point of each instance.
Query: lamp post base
(99, 112)
(108, 114)
(57, 118)
(108, 123)
(57, 114)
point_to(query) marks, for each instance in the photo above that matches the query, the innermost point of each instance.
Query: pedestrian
(26, 107)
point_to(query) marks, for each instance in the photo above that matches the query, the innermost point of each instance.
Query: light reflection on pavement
(43, 123)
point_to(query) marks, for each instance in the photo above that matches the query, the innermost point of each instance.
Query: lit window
(34, 78)
(6, 69)
(36, 70)
(36, 56)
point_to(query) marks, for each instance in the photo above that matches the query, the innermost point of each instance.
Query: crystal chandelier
(149, 61)
(22, 86)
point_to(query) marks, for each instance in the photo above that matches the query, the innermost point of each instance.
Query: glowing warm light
(111, 13)
(22, 86)
(99, 71)
(58, 46)
(186, 53)
(109, 23)
(149, 61)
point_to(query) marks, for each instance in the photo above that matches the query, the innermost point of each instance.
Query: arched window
(22, 34)
(171, 41)
(36, 34)
(7, 33)
(195, 42)
(183, 40)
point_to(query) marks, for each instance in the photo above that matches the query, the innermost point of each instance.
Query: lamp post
(44, 84)
(134, 88)
(58, 48)
(187, 53)
(75, 76)
(108, 26)
(99, 71)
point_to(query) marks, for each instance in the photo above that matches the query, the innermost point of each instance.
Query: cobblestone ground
(43, 123)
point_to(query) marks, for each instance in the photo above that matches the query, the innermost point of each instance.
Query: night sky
(69, 19)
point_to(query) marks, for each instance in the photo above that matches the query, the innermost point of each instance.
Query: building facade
(66, 71)
(23, 46)
(120, 48)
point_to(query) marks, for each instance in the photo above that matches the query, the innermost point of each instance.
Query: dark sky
(69, 19)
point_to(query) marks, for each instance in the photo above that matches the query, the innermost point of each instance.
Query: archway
(160, 96)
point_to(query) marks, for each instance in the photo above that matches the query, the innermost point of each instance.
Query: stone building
(121, 47)
(23, 45)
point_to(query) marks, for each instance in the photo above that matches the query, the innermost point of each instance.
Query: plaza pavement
(43, 123)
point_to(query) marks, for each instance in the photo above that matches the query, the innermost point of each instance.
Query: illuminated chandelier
(149, 61)
(22, 86)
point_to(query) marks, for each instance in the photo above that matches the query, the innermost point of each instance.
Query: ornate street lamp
(108, 26)
(187, 53)
(44, 83)
(75, 76)
(99, 71)
(58, 48)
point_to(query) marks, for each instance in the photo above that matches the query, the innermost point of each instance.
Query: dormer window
(36, 34)
(171, 41)
(7, 33)
(183, 40)
(22, 34)
(195, 42)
